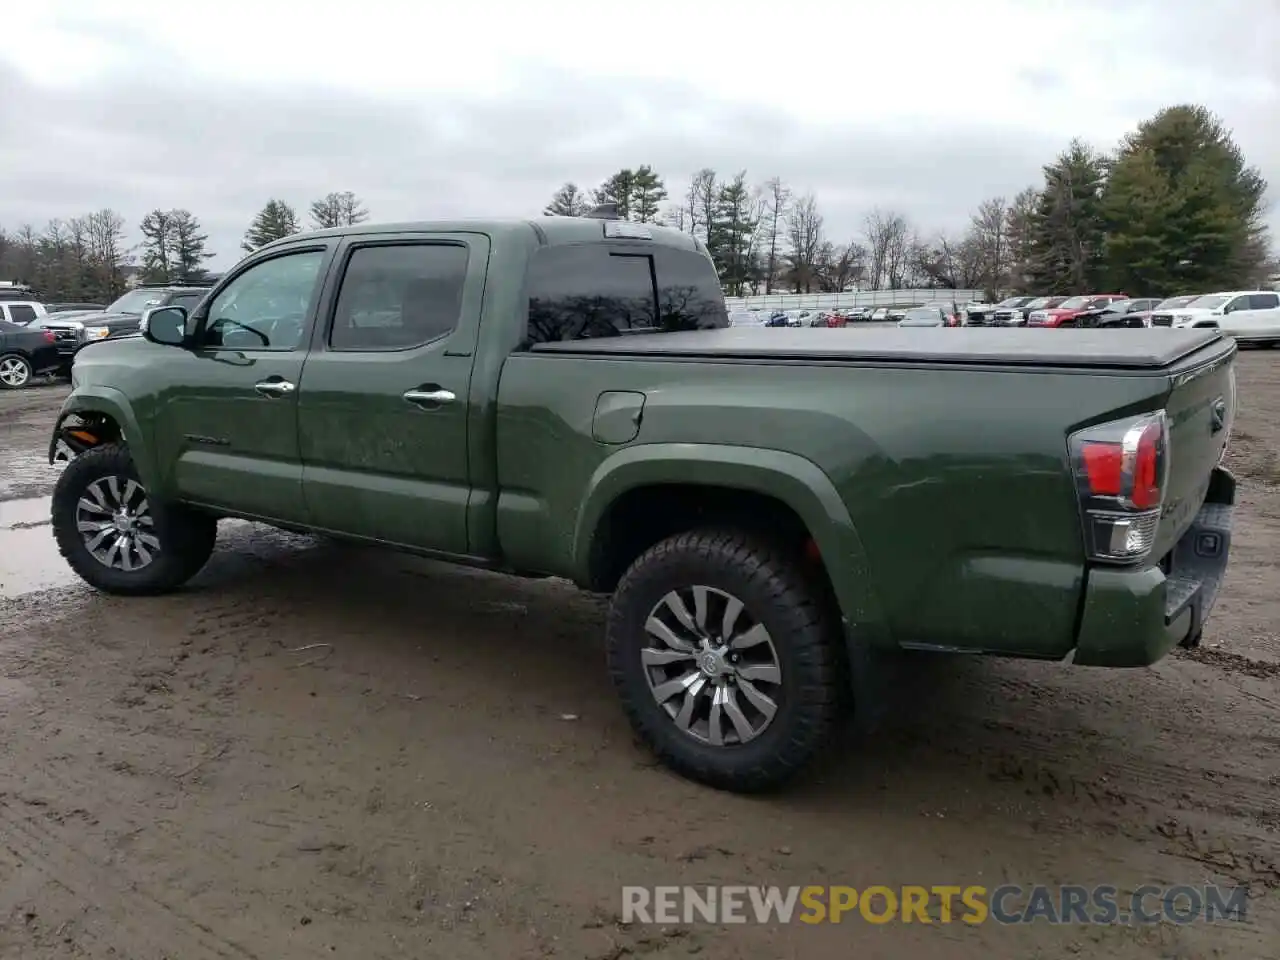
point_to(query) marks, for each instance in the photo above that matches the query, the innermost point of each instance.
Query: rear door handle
(274, 388)
(424, 397)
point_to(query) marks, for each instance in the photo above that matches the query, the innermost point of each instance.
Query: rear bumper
(1132, 618)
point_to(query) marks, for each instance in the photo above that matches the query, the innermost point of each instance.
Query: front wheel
(15, 371)
(726, 659)
(115, 538)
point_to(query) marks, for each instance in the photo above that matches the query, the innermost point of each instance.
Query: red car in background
(1065, 313)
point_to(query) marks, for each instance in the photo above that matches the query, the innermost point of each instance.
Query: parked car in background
(21, 312)
(948, 307)
(120, 319)
(1257, 323)
(857, 314)
(926, 317)
(828, 318)
(1166, 308)
(65, 307)
(24, 353)
(1066, 312)
(1118, 313)
(880, 314)
(984, 314)
(897, 313)
(1251, 316)
(12, 290)
(1017, 316)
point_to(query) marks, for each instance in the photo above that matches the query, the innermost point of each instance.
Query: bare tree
(777, 200)
(890, 248)
(990, 233)
(839, 268)
(1020, 231)
(338, 209)
(804, 232)
(704, 190)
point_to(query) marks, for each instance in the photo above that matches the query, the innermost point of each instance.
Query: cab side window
(399, 296)
(266, 307)
(22, 312)
(591, 290)
(587, 291)
(1239, 303)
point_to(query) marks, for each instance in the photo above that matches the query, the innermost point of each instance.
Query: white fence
(836, 301)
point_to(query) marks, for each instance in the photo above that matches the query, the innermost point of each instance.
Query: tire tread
(778, 578)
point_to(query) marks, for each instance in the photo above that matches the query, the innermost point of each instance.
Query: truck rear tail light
(49, 337)
(1121, 470)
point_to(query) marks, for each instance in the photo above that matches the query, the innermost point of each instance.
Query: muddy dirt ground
(316, 752)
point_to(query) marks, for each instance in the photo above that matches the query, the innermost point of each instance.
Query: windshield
(1075, 303)
(1211, 301)
(1173, 302)
(1038, 303)
(136, 301)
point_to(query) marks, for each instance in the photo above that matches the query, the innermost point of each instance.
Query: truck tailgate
(1200, 408)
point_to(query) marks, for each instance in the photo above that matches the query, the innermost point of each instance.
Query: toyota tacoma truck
(770, 511)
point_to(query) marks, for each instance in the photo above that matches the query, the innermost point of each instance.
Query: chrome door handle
(274, 388)
(434, 397)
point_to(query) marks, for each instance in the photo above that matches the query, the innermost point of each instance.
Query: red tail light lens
(1121, 470)
(49, 337)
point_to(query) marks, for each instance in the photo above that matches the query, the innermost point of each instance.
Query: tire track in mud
(145, 917)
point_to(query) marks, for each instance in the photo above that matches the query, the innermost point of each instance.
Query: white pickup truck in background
(1250, 316)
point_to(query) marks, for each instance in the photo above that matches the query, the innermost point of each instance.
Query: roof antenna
(604, 211)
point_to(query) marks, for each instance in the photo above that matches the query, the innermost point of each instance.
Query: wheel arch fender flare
(112, 403)
(793, 480)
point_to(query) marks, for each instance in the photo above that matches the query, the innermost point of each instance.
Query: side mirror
(165, 325)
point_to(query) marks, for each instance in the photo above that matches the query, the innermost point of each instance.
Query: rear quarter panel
(957, 480)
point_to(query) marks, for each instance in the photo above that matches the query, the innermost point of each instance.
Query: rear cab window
(591, 290)
(399, 296)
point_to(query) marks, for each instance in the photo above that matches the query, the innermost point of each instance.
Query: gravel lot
(319, 751)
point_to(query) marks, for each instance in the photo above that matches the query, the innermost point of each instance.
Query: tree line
(87, 258)
(1174, 207)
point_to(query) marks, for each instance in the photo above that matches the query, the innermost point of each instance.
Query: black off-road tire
(804, 630)
(186, 536)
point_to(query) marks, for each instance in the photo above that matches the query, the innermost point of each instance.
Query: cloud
(133, 108)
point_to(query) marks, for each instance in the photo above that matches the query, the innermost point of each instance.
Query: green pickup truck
(771, 510)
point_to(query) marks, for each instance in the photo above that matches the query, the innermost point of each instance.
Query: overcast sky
(481, 108)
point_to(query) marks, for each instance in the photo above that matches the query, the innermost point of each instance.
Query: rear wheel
(112, 534)
(15, 371)
(726, 659)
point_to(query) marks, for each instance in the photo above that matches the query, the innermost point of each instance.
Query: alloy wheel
(114, 519)
(711, 667)
(14, 372)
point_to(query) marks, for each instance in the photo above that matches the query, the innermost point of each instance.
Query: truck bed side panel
(956, 479)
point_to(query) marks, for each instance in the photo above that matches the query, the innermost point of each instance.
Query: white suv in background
(21, 312)
(1251, 316)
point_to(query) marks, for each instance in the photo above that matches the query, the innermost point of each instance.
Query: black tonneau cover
(1124, 349)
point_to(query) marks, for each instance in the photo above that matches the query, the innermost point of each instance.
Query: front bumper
(1132, 618)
